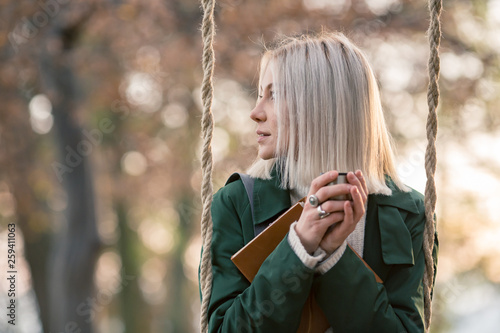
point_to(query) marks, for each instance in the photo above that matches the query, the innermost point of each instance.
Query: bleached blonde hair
(329, 113)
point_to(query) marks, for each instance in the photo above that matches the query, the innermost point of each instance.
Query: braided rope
(434, 33)
(208, 61)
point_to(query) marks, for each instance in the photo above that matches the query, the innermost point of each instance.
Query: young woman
(319, 113)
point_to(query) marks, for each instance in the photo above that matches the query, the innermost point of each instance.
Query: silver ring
(322, 214)
(313, 200)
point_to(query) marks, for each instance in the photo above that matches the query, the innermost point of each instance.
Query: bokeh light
(134, 163)
(41, 114)
(153, 273)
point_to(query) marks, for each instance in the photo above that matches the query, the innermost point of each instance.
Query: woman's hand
(311, 227)
(353, 211)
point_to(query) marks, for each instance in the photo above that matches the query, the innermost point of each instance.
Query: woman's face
(264, 114)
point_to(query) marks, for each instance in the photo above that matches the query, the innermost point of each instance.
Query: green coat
(348, 294)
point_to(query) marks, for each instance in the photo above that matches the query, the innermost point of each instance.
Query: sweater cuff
(329, 262)
(310, 261)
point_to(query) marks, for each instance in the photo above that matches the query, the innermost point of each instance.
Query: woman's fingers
(362, 179)
(322, 181)
(358, 205)
(349, 210)
(327, 192)
(355, 181)
(338, 232)
(331, 230)
(346, 227)
(323, 192)
(331, 206)
(311, 228)
(333, 218)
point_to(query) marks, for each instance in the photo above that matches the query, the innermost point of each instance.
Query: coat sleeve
(274, 300)
(354, 302)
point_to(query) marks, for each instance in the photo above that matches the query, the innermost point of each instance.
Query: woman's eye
(273, 95)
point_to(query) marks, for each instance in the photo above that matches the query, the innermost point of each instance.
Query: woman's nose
(258, 114)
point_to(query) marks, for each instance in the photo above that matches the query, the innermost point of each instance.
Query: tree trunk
(76, 244)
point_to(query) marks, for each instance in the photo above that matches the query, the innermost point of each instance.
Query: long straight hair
(329, 113)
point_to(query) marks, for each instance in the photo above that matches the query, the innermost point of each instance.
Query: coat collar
(398, 199)
(269, 198)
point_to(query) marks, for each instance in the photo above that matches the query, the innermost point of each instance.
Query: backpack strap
(248, 183)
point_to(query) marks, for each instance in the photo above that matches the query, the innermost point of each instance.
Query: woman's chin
(265, 155)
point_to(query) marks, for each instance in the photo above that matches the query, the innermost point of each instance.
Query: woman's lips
(261, 136)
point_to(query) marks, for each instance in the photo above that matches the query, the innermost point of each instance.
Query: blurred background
(100, 145)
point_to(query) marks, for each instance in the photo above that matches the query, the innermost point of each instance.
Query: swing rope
(208, 34)
(207, 125)
(434, 33)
